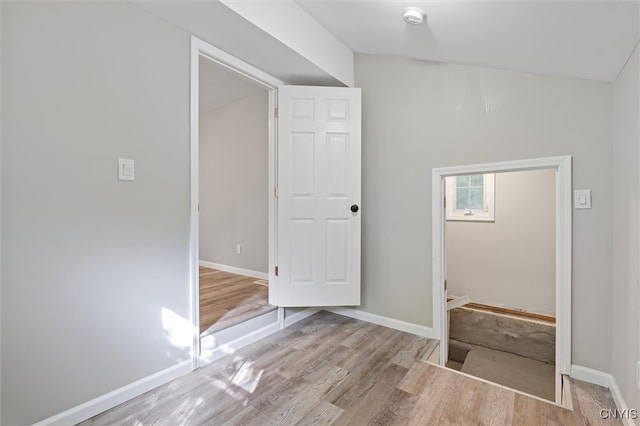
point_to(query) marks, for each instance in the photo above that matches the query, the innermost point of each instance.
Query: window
(470, 197)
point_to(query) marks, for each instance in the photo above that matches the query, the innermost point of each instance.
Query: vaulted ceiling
(587, 39)
(576, 38)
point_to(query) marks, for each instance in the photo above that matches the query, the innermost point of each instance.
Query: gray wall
(509, 262)
(90, 262)
(234, 184)
(625, 347)
(419, 115)
(1, 174)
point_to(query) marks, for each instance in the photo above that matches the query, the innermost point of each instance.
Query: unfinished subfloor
(514, 352)
(517, 372)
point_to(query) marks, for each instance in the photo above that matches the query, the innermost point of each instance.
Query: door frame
(200, 48)
(563, 245)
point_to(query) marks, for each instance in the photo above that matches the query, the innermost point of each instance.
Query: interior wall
(234, 170)
(509, 262)
(420, 115)
(625, 347)
(95, 270)
(1, 213)
(103, 272)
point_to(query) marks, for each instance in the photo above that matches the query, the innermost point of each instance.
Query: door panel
(303, 146)
(337, 251)
(318, 182)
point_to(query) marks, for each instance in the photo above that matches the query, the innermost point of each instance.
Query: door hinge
(445, 202)
(275, 192)
(276, 271)
(445, 284)
(277, 112)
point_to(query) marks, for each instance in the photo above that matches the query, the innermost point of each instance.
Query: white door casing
(444, 348)
(319, 172)
(563, 249)
(200, 48)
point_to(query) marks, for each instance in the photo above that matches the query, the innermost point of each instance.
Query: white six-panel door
(318, 249)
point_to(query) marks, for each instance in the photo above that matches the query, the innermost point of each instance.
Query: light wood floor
(330, 369)
(226, 299)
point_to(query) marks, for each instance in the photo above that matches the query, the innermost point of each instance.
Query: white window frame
(487, 214)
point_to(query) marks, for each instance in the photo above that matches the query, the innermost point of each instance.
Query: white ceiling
(219, 87)
(576, 38)
(586, 39)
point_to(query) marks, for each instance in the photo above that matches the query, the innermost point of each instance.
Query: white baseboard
(419, 330)
(234, 270)
(229, 340)
(109, 400)
(601, 378)
(222, 343)
(619, 400)
(590, 375)
(299, 316)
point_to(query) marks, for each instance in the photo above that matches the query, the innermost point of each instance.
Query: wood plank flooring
(226, 299)
(330, 369)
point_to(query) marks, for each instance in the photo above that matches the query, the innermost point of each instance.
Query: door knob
(355, 208)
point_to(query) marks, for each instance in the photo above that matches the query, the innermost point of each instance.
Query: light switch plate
(126, 169)
(582, 199)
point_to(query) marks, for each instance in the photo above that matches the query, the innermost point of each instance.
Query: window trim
(487, 214)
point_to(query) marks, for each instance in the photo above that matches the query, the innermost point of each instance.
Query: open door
(318, 235)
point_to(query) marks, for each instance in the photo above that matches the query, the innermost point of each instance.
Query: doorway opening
(500, 271)
(234, 201)
(483, 318)
(313, 202)
(233, 223)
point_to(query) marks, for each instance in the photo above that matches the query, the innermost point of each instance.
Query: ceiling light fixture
(414, 16)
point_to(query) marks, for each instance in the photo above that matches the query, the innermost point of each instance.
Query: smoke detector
(414, 16)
